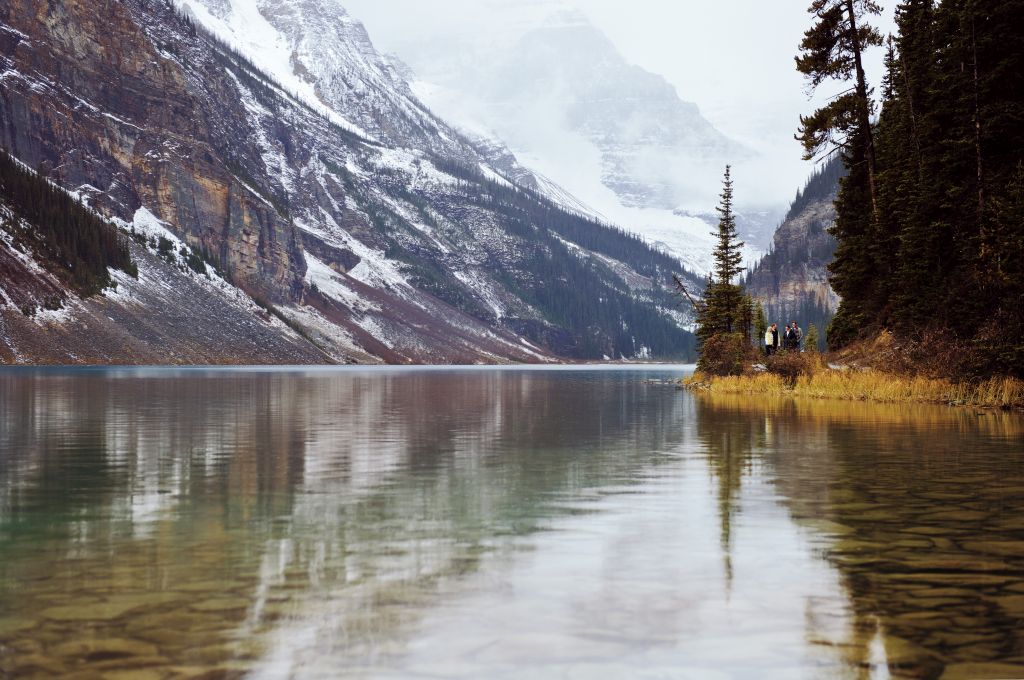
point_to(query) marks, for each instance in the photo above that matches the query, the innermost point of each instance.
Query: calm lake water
(498, 524)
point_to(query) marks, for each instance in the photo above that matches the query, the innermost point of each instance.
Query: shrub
(165, 248)
(193, 260)
(792, 365)
(724, 354)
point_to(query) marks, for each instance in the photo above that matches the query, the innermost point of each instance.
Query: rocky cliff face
(108, 109)
(328, 194)
(793, 277)
(168, 314)
(796, 268)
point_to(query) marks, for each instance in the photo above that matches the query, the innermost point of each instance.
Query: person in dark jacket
(775, 338)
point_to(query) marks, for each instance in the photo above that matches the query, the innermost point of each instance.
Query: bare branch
(681, 288)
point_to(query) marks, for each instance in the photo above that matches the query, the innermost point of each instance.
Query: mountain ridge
(573, 109)
(376, 252)
(792, 280)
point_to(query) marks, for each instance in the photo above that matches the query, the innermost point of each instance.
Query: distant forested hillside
(791, 281)
(820, 186)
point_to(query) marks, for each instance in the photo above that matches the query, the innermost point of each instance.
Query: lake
(498, 523)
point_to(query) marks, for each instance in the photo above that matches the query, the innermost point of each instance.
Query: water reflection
(496, 523)
(918, 509)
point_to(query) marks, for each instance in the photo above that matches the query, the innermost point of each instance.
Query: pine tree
(729, 251)
(934, 243)
(725, 320)
(832, 49)
(72, 240)
(760, 323)
(813, 340)
(724, 304)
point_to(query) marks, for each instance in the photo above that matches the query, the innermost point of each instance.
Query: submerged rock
(108, 610)
(31, 664)
(983, 671)
(1003, 548)
(221, 604)
(105, 649)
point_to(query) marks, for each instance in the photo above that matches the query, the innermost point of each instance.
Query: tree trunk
(910, 96)
(863, 112)
(913, 121)
(977, 124)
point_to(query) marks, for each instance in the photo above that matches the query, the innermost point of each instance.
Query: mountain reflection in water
(499, 523)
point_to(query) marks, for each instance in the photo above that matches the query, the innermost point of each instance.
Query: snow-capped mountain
(318, 52)
(557, 91)
(270, 136)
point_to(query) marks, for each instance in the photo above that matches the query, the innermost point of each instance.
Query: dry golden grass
(916, 416)
(871, 385)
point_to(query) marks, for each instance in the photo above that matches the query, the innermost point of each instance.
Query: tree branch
(681, 288)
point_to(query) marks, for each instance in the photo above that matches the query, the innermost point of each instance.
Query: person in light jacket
(770, 338)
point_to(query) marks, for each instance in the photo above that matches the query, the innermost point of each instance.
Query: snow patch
(273, 157)
(482, 287)
(249, 33)
(145, 222)
(332, 284)
(337, 342)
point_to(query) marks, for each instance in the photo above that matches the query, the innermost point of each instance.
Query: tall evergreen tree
(833, 49)
(728, 253)
(726, 309)
(813, 339)
(934, 245)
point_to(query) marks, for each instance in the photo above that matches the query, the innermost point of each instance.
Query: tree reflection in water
(919, 510)
(479, 522)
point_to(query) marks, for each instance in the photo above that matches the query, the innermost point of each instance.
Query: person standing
(769, 340)
(775, 338)
(798, 337)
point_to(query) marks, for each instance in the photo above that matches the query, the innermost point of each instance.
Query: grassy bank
(868, 385)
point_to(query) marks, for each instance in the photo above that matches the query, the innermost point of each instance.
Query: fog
(734, 60)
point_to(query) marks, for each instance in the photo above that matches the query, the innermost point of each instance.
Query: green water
(498, 524)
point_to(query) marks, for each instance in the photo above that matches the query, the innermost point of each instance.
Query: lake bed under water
(498, 523)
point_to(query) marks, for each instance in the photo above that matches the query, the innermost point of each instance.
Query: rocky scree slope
(376, 243)
(172, 308)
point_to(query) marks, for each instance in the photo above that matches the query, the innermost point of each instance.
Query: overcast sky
(733, 59)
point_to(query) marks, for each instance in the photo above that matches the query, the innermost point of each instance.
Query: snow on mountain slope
(169, 314)
(242, 25)
(341, 204)
(333, 52)
(319, 53)
(556, 90)
(316, 49)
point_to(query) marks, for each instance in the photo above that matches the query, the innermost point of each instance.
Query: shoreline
(868, 385)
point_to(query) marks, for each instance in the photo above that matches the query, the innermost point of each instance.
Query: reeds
(871, 385)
